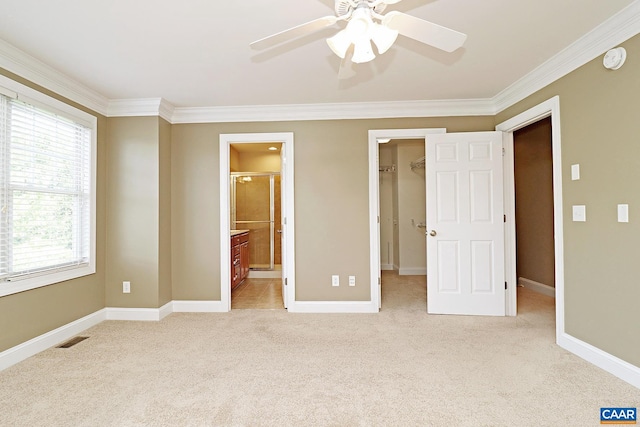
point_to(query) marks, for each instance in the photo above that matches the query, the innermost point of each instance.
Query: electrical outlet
(126, 287)
(352, 280)
(335, 280)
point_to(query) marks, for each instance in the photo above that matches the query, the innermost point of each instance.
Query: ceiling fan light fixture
(362, 51)
(383, 37)
(340, 43)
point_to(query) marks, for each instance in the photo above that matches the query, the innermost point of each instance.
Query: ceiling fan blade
(294, 33)
(424, 31)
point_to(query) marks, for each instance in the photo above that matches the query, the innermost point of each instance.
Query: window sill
(14, 287)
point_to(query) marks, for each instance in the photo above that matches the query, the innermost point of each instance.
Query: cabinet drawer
(243, 238)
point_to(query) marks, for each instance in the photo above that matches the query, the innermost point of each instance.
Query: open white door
(465, 225)
(282, 225)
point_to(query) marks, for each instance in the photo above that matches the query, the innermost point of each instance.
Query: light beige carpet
(400, 367)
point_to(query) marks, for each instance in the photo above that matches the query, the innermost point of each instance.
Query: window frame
(13, 89)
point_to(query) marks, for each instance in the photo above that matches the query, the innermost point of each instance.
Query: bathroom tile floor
(258, 294)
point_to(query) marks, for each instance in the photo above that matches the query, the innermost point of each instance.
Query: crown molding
(337, 111)
(16, 61)
(617, 29)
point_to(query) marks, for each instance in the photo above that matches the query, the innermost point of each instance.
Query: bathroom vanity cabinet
(239, 256)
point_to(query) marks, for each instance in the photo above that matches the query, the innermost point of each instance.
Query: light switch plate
(579, 213)
(623, 213)
(335, 280)
(352, 280)
(575, 172)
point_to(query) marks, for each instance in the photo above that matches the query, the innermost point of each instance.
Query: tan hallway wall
(599, 112)
(533, 173)
(26, 315)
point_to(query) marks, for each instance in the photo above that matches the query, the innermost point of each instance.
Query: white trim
(538, 287)
(333, 307)
(336, 111)
(26, 66)
(548, 108)
(139, 314)
(412, 271)
(198, 307)
(226, 139)
(615, 30)
(386, 267)
(374, 197)
(40, 343)
(613, 365)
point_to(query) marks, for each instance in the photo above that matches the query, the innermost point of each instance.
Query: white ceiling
(195, 53)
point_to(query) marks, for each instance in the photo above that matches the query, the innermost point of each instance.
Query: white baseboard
(541, 288)
(412, 271)
(332, 307)
(139, 314)
(386, 267)
(40, 343)
(198, 307)
(615, 366)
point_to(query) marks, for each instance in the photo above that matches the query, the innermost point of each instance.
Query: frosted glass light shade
(362, 51)
(383, 37)
(340, 43)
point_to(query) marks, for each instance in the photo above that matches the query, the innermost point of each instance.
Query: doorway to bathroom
(257, 221)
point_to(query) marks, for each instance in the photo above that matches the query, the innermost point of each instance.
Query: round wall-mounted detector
(614, 58)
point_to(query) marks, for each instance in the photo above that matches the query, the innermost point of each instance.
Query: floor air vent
(72, 342)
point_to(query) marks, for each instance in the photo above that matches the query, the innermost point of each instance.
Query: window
(47, 190)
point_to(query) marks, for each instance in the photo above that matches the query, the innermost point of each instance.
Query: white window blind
(45, 190)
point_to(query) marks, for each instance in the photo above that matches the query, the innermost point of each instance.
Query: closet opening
(402, 193)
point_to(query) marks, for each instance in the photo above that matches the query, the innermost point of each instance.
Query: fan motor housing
(344, 7)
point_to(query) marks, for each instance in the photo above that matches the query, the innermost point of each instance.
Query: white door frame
(374, 197)
(286, 138)
(549, 108)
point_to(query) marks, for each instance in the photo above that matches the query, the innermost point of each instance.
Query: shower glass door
(252, 208)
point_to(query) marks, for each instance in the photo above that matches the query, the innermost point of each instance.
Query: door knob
(432, 233)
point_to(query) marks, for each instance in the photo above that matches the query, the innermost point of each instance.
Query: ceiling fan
(366, 24)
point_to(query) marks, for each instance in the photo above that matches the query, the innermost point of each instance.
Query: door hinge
(285, 281)
(284, 220)
(505, 218)
(503, 151)
(378, 219)
(379, 281)
(505, 285)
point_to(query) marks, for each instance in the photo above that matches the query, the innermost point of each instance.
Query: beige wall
(165, 292)
(26, 315)
(599, 124)
(411, 192)
(395, 211)
(331, 202)
(267, 161)
(533, 173)
(136, 155)
(385, 185)
(234, 159)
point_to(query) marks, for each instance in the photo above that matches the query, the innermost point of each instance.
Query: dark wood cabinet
(239, 256)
